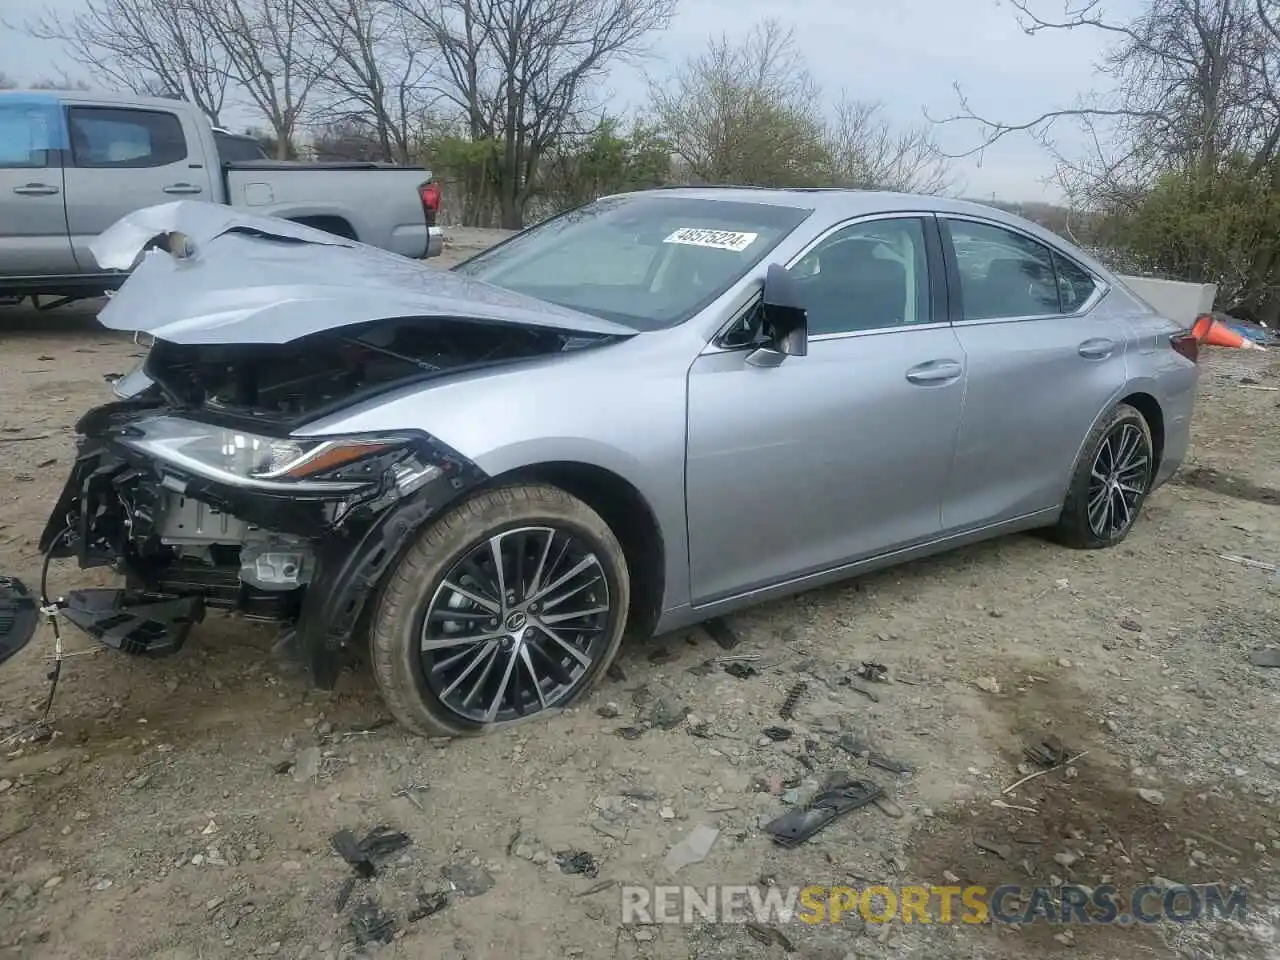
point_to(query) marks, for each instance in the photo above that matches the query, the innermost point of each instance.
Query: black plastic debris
(777, 734)
(428, 904)
(378, 843)
(1049, 752)
(796, 826)
(371, 924)
(719, 631)
(875, 672)
(19, 614)
(788, 708)
(740, 670)
(630, 733)
(345, 889)
(578, 862)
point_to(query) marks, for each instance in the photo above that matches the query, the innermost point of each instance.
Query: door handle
(36, 190)
(1097, 349)
(182, 188)
(935, 371)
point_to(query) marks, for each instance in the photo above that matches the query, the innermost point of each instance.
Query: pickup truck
(72, 164)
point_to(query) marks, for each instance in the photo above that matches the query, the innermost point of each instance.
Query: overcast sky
(906, 53)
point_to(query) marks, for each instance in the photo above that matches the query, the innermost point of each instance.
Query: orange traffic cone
(1213, 334)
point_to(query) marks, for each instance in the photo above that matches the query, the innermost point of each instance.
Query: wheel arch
(328, 222)
(628, 513)
(1139, 394)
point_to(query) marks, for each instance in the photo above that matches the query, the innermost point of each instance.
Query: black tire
(1075, 528)
(407, 676)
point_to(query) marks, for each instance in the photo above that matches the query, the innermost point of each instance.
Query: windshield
(648, 261)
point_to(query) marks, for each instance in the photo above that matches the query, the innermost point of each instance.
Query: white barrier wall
(1180, 302)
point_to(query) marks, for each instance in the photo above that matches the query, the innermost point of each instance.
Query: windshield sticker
(716, 239)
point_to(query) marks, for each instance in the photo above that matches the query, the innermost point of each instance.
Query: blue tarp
(31, 123)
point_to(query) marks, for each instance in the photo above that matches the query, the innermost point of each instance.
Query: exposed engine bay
(288, 382)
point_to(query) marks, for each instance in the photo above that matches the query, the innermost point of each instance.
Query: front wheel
(510, 605)
(1110, 483)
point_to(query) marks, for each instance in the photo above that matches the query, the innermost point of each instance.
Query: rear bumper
(435, 242)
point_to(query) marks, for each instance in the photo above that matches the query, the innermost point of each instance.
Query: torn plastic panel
(210, 274)
(306, 551)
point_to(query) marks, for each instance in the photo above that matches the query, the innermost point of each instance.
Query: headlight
(248, 459)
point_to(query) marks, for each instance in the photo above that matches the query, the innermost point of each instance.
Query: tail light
(430, 195)
(1187, 344)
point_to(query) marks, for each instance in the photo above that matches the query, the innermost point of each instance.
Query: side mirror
(786, 325)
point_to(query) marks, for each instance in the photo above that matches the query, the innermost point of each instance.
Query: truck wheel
(1110, 483)
(508, 607)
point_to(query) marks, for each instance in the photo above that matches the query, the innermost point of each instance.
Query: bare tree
(269, 55)
(1192, 81)
(156, 47)
(746, 112)
(522, 73)
(866, 151)
(377, 70)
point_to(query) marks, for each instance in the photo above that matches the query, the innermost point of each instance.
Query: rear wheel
(509, 606)
(1110, 484)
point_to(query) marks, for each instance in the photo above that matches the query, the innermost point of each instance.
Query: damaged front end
(198, 514)
(200, 485)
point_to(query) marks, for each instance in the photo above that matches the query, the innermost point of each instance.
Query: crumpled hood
(221, 276)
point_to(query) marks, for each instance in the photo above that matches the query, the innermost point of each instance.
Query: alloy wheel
(516, 624)
(1118, 480)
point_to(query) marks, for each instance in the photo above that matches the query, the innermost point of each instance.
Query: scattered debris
(777, 734)
(788, 708)
(283, 767)
(660, 654)
(874, 698)
(992, 846)
(987, 684)
(608, 710)
(428, 904)
(740, 670)
(797, 826)
(578, 861)
(893, 766)
(372, 924)
(596, 888)
(378, 843)
(45, 464)
(1128, 623)
(1013, 806)
(38, 436)
(875, 672)
(1040, 773)
(769, 935)
(692, 849)
(1245, 561)
(630, 733)
(471, 879)
(1049, 752)
(307, 766)
(1266, 657)
(345, 889)
(720, 631)
(1153, 797)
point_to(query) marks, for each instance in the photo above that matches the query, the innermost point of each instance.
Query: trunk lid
(210, 274)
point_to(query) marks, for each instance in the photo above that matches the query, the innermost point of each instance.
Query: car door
(842, 453)
(124, 159)
(33, 218)
(1044, 357)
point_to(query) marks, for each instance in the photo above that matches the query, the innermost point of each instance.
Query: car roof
(95, 97)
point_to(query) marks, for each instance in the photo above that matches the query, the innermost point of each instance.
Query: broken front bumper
(130, 510)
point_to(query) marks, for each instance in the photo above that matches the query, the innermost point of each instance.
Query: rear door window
(1003, 274)
(125, 138)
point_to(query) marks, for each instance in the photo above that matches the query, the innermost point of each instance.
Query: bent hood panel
(243, 279)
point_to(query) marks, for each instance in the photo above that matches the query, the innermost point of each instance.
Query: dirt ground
(183, 808)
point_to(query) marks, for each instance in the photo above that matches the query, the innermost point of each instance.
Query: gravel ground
(183, 807)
